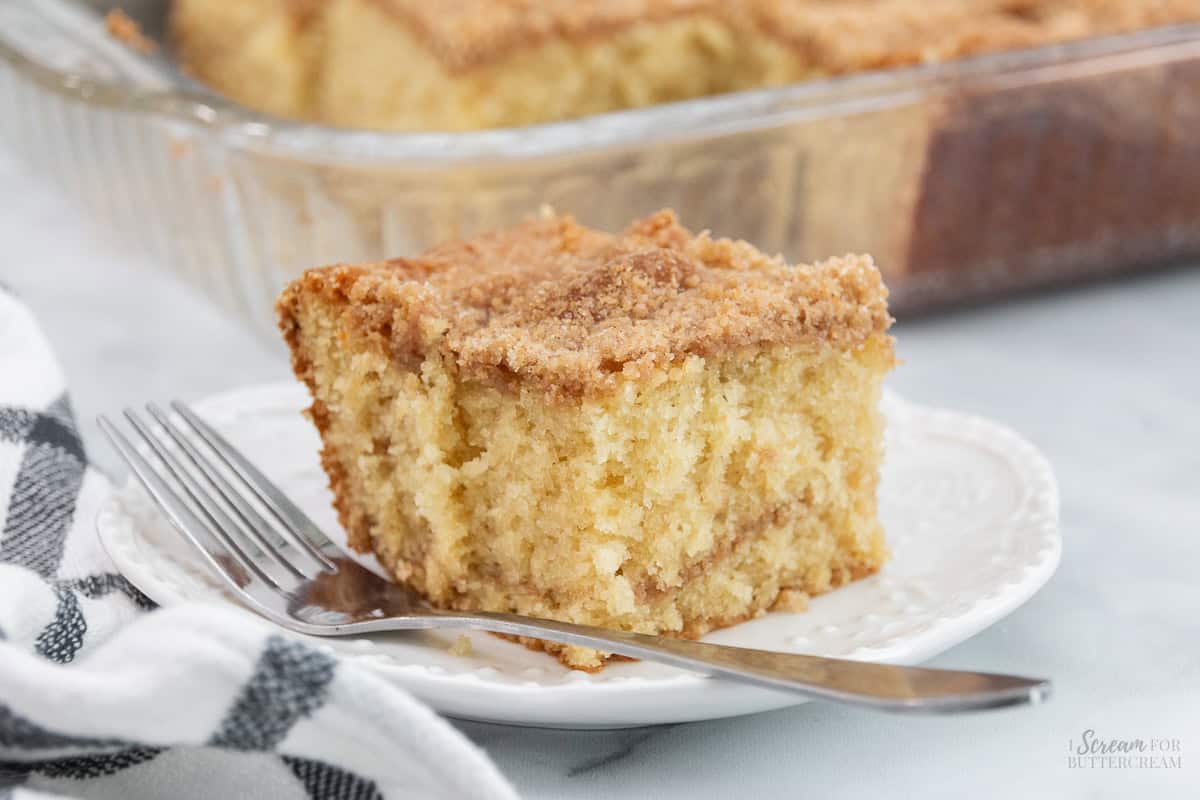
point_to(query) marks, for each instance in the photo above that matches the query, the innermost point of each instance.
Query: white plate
(970, 510)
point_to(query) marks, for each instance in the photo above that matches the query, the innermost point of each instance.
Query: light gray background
(1104, 378)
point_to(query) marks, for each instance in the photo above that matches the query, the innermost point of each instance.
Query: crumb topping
(554, 304)
(472, 32)
(834, 35)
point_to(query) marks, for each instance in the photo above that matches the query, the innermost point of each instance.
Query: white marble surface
(1106, 379)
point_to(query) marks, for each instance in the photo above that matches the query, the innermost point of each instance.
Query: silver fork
(281, 565)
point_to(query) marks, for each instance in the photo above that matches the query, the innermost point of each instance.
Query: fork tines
(242, 524)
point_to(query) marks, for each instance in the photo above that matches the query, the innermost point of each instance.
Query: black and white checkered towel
(103, 696)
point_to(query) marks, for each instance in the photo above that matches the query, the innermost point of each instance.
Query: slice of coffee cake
(655, 431)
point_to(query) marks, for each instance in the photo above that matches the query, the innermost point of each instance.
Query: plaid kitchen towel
(101, 695)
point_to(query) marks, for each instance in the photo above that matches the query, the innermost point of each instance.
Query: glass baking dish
(964, 179)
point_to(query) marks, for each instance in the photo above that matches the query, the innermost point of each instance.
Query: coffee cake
(420, 65)
(654, 431)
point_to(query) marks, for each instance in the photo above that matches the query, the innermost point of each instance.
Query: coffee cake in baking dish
(470, 64)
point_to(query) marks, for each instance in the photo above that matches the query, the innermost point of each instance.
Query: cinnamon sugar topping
(836, 35)
(553, 304)
(472, 32)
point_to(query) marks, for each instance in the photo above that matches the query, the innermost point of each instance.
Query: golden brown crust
(551, 304)
(358, 532)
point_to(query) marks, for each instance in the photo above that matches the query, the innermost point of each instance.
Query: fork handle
(878, 686)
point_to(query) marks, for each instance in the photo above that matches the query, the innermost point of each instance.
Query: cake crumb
(792, 601)
(126, 30)
(461, 646)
